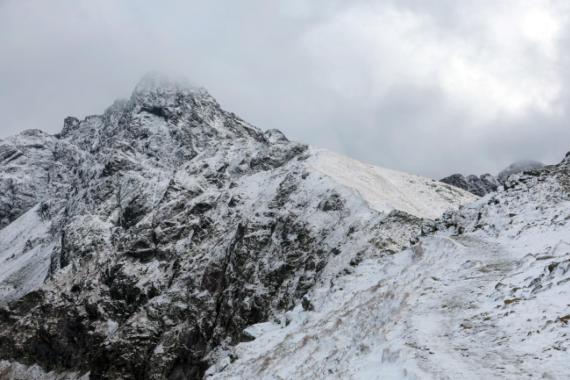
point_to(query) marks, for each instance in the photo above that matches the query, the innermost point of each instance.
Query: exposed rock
(477, 185)
(518, 167)
(487, 183)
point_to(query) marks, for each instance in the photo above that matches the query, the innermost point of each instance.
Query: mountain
(482, 295)
(143, 242)
(487, 183)
(479, 186)
(518, 167)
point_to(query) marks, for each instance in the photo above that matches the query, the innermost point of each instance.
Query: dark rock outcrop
(487, 183)
(518, 167)
(477, 185)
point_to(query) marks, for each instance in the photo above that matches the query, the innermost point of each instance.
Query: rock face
(29, 171)
(518, 167)
(487, 183)
(139, 244)
(480, 186)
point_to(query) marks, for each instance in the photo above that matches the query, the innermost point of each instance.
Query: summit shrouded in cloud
(264, 203)
(431, 87)
(170, 239)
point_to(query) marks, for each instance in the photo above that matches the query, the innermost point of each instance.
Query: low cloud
(431, 87)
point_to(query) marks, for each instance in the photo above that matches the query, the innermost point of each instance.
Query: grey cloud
(375, 80)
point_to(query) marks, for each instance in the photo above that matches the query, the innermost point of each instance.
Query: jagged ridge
(488, 183)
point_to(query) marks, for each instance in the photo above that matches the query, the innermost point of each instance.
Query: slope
(483, 296)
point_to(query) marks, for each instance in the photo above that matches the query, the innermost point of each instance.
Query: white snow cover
(491, 303)
(24, 257)
(367, 186)
(386, 190)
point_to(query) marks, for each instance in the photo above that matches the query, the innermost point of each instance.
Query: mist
(429, 87)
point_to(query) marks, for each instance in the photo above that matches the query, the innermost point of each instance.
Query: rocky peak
(165, 97)
(518, 167)
(164, 123)
(70, 124)
(478, 185)
(488, 183)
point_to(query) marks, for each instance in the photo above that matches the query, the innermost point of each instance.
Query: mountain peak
(162, 95)
(518, 167)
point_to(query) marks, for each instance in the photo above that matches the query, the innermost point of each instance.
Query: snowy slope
(25, 250)
(485, 296)
(381, 189)
(386, 190)
(413, 317)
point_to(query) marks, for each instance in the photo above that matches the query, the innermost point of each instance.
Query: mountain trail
(451, 325)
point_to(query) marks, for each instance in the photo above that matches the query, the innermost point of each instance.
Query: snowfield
(385, 190)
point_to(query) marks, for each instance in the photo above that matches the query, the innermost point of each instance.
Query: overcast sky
(426, 86)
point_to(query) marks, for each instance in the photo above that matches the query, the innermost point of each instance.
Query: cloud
(509, 65)
(431, 87)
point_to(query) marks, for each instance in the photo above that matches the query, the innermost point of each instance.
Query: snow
(386, 189)
(24, 257)
(14, 370)
(491, 303)
(410, 318)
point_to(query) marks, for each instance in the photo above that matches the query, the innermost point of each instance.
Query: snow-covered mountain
(145, 242)
(518, 167)
(478, 185)
(169, 239)
(488, 183)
